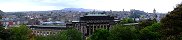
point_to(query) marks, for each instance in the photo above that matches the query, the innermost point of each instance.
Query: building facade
(46, 30)
(87, 24)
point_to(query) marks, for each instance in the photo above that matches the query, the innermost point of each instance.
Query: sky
(161, 6)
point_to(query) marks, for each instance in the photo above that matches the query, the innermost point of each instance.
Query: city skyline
(162, 6)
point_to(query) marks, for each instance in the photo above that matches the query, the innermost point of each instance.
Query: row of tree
(24, 33)
(16, 33)
(69, 34)
(120, 32)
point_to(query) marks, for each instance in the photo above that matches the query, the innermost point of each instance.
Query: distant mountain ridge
(66, 9)
(77, 9)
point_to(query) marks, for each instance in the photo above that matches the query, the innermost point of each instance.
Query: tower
(155, 15)
(123, 9)
(154, 11)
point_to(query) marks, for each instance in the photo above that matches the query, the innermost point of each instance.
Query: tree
(41, 38)
(1, 14)
(171, 24)
(123, 33)
(4, 34)
(20, 33)
(69, 34)
(146, 23)
(100, 34)
(127, 20)
(150, 32)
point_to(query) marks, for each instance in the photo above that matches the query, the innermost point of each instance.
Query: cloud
(58, 3)
(8, 7)
(146, 5)
(35, 5)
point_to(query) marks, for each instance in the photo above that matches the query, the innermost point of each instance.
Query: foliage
(73, 34)
(41, 38)
(123, 33)
(146, 23)
(120, 32)
(4, 34)
(1, 14)
(150, 32)
(20, 33)
(101, 34)
(69, 34)
(127, 20)
(171, 24)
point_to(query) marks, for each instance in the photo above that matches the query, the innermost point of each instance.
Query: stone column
(93, 28)
(89, 30)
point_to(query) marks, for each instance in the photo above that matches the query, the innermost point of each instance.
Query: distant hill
(1, 13)
(62, 10)
(78, 9)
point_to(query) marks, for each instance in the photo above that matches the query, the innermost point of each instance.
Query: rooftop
(131, 24)
(46, 26)
(96, 15)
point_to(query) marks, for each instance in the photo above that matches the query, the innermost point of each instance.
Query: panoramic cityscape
(90, 20)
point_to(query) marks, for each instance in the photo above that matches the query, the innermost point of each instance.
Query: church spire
(154, 11)
(155, 15)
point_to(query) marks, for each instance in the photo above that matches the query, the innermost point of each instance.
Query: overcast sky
(162, 6)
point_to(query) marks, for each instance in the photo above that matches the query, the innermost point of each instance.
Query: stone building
(47, 28)
(88, 23)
